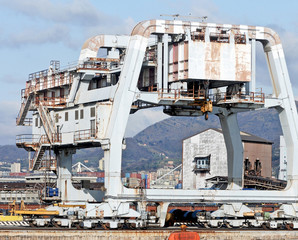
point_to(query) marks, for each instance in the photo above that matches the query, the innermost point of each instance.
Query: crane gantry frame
(188, 59)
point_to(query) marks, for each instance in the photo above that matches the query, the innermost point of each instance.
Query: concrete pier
(143, 235)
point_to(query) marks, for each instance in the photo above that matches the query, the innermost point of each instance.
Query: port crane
(171, 63)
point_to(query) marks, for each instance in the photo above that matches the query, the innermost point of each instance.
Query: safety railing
(35, 139)
(50, 101)
(103, 66)
(51, 81)
(27, 139)
(57, 137)
(48, 79)
(27, 122)
(37, 75)
(252, 97)
(84, 135)
(177, 94)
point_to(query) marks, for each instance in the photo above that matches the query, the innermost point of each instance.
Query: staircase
(24, 110)
(37, 158)
(47, 121)
(45, 140)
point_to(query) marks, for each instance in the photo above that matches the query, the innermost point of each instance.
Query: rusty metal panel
(211, 60)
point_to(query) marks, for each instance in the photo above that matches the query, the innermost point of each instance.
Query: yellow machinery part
(36, 212)
(206, 106)
(10, 218)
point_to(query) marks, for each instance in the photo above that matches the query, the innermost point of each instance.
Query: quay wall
(142, 235)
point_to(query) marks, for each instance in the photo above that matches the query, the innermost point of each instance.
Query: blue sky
(33, 32)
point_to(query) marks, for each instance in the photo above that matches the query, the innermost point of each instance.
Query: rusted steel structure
(183, 66)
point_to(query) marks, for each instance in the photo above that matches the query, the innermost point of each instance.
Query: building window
(202, 163)
(81, 113)
(76, 114)
(92, 112)
(66, 116)
(36, 122)
(57, 117)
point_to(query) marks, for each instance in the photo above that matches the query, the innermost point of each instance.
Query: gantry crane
(189, 68)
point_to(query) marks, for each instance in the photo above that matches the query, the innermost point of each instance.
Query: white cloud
(81, 12)
(54, 34)
(48, 21)
(121, 27)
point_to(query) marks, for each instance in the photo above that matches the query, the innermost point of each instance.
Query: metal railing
(50, 101)
(177, 94)
(45, 79)
(84, 134)
(27, 138)
(36, 139)
(252, 97)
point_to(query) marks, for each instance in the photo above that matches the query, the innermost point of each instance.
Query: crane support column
(64, 184)
(231, 132)
(122, 101)
(282, 89)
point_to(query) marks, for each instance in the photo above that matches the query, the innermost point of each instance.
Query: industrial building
(205, 156)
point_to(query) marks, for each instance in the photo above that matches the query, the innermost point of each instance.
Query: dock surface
(14, 234)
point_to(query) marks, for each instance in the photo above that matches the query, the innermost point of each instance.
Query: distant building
(15, 167)
(205, 156)
(166, 177)
(282, 160)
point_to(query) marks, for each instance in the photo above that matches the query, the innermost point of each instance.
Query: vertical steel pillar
(120, 111)
(165, 61)
(159, 62)
(231, 132)
(282, 89)
(64, 161)
(252, 84)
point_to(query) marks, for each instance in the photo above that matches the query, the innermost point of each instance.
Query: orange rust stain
(242, 68)
(271, 36)
(94, 43)
(144, 28)
(212, 60)
(169, 26)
